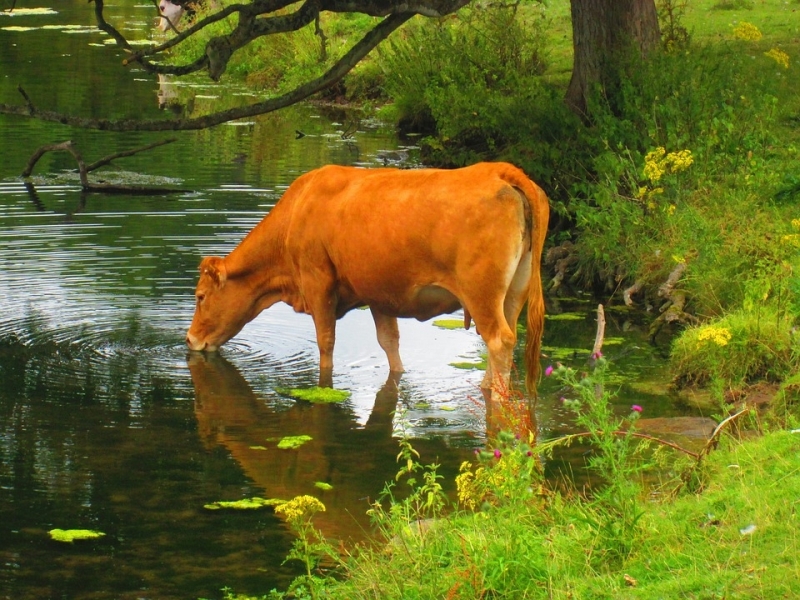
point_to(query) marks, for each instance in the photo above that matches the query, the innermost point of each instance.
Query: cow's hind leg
(389, 339)
(500, 339)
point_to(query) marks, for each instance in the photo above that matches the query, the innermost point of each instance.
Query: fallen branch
(83, 169)
(601, 330)
(598, 345)
(567, 439)
(714, 439)
(107, 159)
(711, 443)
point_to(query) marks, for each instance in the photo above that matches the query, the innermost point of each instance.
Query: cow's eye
(200, 297)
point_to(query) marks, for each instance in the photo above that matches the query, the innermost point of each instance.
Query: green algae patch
(70, 535)
(244, 504)
(258, 447)
(422, 405)
(566, 317)
(323, 486)
(449, 323)
(292, 442)
(318, 395)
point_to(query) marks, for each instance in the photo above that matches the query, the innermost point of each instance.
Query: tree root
(672, 311)
(561, 257)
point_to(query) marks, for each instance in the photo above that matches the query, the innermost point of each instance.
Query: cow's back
(386, 231)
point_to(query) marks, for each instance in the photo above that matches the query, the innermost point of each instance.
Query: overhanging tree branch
(334, 74)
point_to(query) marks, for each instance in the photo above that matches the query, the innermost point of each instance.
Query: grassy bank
(736, 539)
(654, 520)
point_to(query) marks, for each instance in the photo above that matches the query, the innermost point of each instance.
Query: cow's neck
(259, 263)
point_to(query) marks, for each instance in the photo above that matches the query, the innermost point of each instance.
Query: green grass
(738, 538)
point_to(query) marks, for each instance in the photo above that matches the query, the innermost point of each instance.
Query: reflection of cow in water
(355, 460)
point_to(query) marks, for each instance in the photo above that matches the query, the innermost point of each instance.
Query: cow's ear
(214, 267)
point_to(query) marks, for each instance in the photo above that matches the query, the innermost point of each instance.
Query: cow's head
(223, 307)
(171, 11)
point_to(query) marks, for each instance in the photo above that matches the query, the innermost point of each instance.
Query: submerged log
(83, 169)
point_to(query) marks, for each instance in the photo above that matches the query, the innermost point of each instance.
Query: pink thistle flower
(497, 453)
(548, 371)
(636, 408)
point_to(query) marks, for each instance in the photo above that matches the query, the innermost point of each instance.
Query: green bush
(736, 349)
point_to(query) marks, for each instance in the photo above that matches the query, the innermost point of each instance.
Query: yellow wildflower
(779, 56)
(792, 239)
(654, 164)
(658, 162)
(300, 508)
(747, 32)
(796, 223)
(468, 493)
(678, 161)
(712, 333)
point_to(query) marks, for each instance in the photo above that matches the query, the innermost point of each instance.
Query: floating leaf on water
(422, 405)
(479, 366)
(258, 447)
(316, 394)
(323, 486)
(447, 408)
(244, 504)
(17, 28)
(70, 535)
(291, 442)
(449, 323)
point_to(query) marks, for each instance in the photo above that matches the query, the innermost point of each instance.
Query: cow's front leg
(389, 339)
(325, 325)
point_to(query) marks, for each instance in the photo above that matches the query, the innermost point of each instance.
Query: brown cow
(413, 243)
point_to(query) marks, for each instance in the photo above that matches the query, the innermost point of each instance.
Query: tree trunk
(602, 31)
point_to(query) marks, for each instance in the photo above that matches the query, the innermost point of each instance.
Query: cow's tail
(540, 209)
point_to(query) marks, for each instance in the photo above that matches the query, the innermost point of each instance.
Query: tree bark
(602, 31)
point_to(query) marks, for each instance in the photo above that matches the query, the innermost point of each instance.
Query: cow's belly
(423, 303)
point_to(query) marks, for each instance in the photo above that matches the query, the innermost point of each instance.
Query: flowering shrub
(509, 473)
(658, 163)
(741, 347)
(300, 509)
(715, 334)
(779, 56)
(310, 547)
(747, 32)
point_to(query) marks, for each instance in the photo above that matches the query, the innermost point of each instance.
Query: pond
(108, 423)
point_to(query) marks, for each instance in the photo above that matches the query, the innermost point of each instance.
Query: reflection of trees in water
(110, 442)
(355, 460)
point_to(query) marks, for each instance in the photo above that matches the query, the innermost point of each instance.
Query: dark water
(107, 423)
